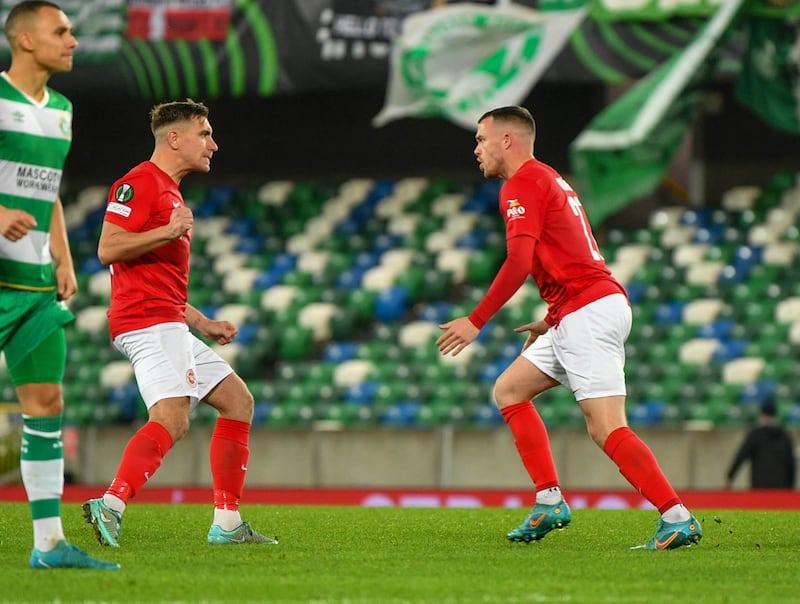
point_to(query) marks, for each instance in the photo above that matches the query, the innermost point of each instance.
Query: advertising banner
(179, 19)
(335, 44)
(579, 499)
(155, 49)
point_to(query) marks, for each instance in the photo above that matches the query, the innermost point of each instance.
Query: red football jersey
(566, 264)
(153, 288)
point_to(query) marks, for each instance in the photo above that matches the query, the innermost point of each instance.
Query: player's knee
(598, 436)
(240, 406)
(597, 429)
(178, 428)
(180, 431)
(53, 405)
(505, 393)
(174, 419)
(247, 405)
(41, 399)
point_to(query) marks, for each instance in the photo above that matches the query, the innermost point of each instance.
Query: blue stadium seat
(669, 313)
(729, 350)
(758, 392)
(362, 393)
(337, 352)
(487, 415)
(402, 414)
(391, 304)
(411, 385)
(719, 329)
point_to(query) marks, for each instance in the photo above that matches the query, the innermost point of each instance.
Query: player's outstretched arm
(458, 334)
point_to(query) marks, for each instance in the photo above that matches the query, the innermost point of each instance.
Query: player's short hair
(512, 113)
(22, 11)
(169, 113)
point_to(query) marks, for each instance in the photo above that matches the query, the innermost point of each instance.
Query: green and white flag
(461, 60)
(769, 82)
(616, 10)
(623, 153)
(658, 10)
(98, 26)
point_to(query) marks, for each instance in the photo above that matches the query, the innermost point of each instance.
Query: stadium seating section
(338, 290)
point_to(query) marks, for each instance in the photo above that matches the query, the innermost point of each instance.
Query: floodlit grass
(355, 555)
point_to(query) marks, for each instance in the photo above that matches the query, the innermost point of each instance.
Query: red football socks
(229, 453)
(140, 460)
(533, 443)
(638, 465)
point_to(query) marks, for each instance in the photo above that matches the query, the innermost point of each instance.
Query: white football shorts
(586, 351)
(169, 361)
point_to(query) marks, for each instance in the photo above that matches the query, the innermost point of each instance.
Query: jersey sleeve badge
(122, 195)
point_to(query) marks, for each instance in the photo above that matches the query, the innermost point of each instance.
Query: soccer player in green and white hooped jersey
(36, 269)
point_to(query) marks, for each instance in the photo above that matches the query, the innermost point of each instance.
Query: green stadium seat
(413, 278)
(204, 415)
(390, 390)
(300, 279)
(664, 260)
(345, 322)
(778, 369)
(296, 342)
(482, 266)
(436, 285)
(362, 301)
(346, 415)
(291, 413)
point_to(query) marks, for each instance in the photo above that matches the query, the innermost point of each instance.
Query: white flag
(461, 60)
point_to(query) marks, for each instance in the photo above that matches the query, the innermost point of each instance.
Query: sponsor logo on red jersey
(514, 209)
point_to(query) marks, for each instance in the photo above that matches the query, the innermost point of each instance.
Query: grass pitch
(356, 555)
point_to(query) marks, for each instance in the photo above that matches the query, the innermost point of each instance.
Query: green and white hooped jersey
(34, 141)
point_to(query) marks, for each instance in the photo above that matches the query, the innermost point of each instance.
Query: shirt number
(577, 210)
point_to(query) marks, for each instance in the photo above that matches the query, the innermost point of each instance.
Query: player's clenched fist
(180, 221)
(15, 224)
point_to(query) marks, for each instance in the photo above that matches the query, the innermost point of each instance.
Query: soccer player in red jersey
(580, 344)
(145, 242)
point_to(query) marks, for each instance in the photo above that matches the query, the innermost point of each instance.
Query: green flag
(769, 82)
(98, 25)
(461, 60)
(625, 150)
